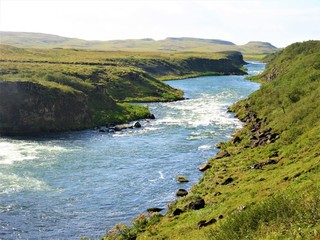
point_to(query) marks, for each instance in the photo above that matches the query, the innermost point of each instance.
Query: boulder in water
(151, 116)
(182, 179)
(137, 124)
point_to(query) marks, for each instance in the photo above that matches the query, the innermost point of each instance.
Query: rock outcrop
(31, 108)
(181, 193)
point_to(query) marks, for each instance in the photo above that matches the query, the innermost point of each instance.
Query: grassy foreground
(264, 183)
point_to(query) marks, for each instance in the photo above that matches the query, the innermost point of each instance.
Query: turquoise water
(69, 185)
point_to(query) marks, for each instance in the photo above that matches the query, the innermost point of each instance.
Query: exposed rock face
(30, 108)
(227, 181)
(204, 223)
(182, 193)
(222, 154)
(227, 66)
(154, 209)
(204, 167)
(259, 137)
(196, 204)
(176, 212)
(260, 165)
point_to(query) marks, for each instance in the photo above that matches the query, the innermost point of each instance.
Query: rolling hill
(184, 44)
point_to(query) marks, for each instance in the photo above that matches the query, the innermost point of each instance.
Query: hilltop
(185, 44)
(264, 183)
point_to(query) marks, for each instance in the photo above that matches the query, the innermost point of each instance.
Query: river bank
(74, 184)
(56, 90)
(264, 182)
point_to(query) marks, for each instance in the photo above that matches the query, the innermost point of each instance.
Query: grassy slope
(105, 79)
(38, 40)
(127, 76)
(273, 201)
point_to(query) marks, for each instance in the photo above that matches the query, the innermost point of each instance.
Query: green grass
(100, 81)
(293, 215)
(256, 57)
(173, 45)
(126, 76)
(276, 201)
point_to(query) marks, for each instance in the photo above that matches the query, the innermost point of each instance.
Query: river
(75, 184)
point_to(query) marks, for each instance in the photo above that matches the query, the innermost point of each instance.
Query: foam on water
(205, 147)
(12, 183)
(161, 175)
(203, 111)
(12, 152)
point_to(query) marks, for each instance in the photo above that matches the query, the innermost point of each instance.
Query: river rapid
(75, 184)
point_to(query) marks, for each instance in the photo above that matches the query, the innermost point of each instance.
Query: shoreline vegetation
(52, 90)
(264, 182)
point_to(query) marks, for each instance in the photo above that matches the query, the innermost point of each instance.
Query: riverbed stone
(181, 193)
(154, 209)
(222, 154)
(227, 181)
(196, 204)
(182, 179)
(204, 167)
(137, 124)
(151, 116)
(176, 212)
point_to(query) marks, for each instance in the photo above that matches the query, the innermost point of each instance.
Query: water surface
(69, 185)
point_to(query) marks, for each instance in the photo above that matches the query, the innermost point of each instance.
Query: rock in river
(137, 124)
(181, 179)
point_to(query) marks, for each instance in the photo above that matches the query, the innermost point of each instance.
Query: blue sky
(280, 22)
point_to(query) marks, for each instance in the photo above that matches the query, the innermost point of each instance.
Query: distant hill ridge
(170, 44)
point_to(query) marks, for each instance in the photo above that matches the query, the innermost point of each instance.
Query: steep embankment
(45, 90)
(24, 107)
(264, 183)
(165, 66)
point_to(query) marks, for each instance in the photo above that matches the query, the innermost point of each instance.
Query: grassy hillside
(264, 183)
(127, 76)
(102, 80)
(40, 40)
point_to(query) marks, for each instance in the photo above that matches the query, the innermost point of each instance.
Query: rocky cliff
(28, 108)
(230, 64)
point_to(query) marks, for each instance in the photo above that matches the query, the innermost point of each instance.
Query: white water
(65, 186)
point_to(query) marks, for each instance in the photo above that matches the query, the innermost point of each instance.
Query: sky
(280, 22)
